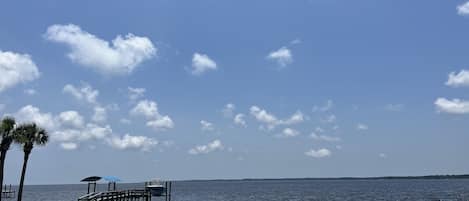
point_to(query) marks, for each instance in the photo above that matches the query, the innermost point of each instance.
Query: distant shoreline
(461, 176)
(429, 177)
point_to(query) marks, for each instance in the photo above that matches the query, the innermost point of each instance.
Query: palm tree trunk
(23, 172)
(3, 154)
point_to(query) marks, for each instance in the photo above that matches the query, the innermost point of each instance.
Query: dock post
(170, 189)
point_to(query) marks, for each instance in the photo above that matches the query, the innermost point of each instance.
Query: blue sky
(237, 89)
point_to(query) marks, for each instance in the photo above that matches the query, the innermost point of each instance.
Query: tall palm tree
(28, 135)
(7, 125)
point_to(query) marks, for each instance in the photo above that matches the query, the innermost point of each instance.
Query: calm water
(284, 190)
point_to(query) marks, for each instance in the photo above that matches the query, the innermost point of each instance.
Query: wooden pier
(112, 194)
(8, 192)
(124, 195)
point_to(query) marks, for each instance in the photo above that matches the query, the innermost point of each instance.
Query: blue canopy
(111, 179)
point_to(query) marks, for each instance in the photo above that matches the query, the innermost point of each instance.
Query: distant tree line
(27, 136)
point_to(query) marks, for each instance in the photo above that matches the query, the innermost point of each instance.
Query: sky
(214, 89)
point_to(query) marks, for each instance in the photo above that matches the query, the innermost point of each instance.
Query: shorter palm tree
(28, 135)
(7, 126)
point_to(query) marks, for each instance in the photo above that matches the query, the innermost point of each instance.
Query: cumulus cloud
(271, 121)
(320, 153)
(239, 120)
(142, 143)
(89, 132)
(71, 118)
(161, 123)
(282, 56)
(463, 9)
(264, 117)
(145, 108)
(455, 106)
(296, 118)
(83, 93)
(67, 126)
(69, 129)
(201, 63)
(216, 145)
(136, 93)
(206, 126)
(460, 79)
(149, 110)
(29, 114)
(15, 69)
(325, 138)
(121, 56)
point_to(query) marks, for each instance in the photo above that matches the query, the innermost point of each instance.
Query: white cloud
(142, 143)
(324, 138)
(289, 132)
(455, 106)
(264, 117)
(228, 110)
(282, 56)
(320, 153)
(296, 118)
(149, 109)
(85, 93)
(30, 92)
(89, 132)
(68, 129)
(161, 123)
(463, 9)
(15, 69)
(239, 120)
(460, 79)
(122, 56)
(201, 63)
(216, 145)
(206, 126)
(69, 145)
(136, 93)
(145, 108)
(271, 120)
(326, 107)
(394, 107)
(30, 114)
(382, 155)
(71, 118)
(361, 126)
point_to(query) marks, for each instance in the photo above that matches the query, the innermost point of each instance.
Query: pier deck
(124, 195)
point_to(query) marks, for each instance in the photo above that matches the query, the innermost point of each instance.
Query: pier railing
(134, 194)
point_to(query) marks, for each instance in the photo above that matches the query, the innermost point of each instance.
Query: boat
(156, 188)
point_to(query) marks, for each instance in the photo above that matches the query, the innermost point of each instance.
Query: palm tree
(7, 126)
(28, 135)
